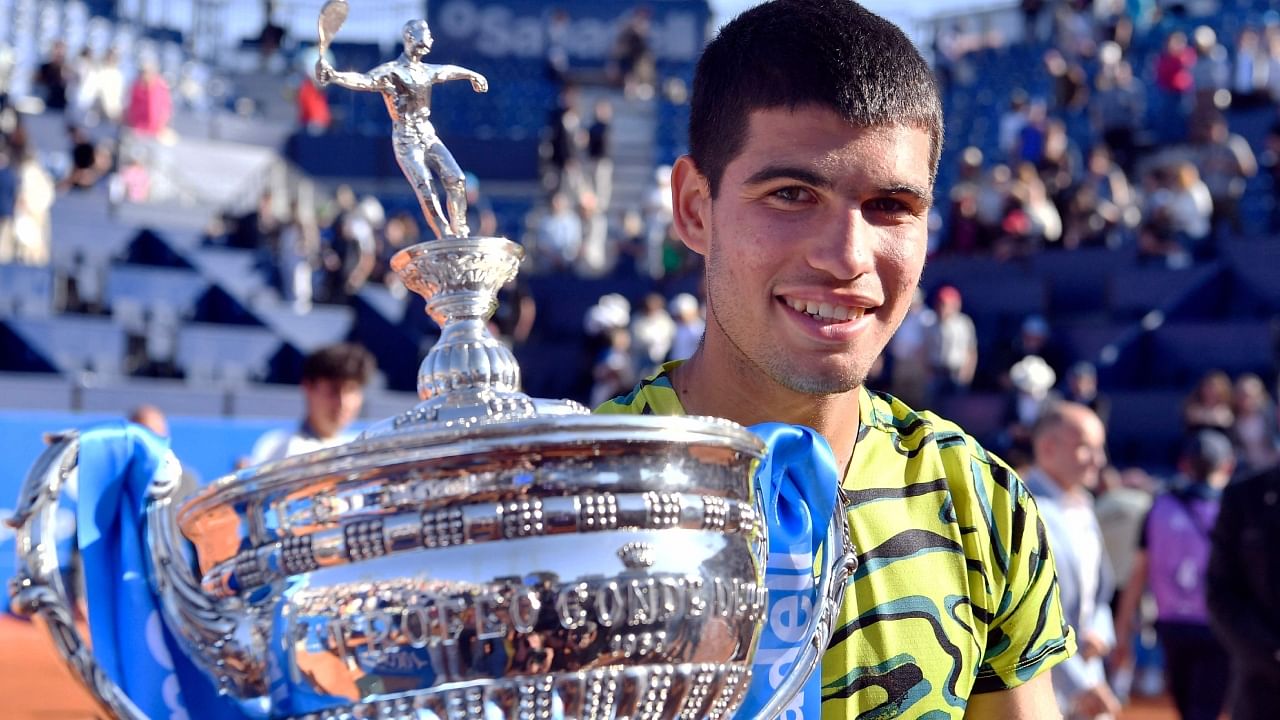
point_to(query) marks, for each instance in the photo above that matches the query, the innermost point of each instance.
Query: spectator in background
(1255, 430)
(299, 255)
(1184, 207)
(909, 350)
(593, 255)
(652, 333)
(1211, 73)
(333, 383)
(89, 162)
(1172, 561)
(953, 345)
(556, 58)
(1031, 395)
(1226, 163)
(1082, 388)
(1118, 112)
(689, 326)
(480, 216)
(559, 235)
(614, 372)
(1102, 205)
(1209, 405)
(54, 77)
(1070, 453)
(1244, 595)
(1250, 71)
(1011, 123)
(631, 63)
(599, 159)
(657, 221)
(150, 103)
(313, 106)
(32, 231)
(1174, 83)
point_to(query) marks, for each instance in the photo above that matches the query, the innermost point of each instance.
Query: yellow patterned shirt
(955, 591)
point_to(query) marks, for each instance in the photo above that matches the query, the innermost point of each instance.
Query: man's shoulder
(271, 445)
(919, 431)
(934, 449)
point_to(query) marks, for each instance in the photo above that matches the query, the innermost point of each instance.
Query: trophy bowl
(570, 566)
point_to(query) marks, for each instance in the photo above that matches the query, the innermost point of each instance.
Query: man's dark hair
(791, 53)
(1205, 453)
(342, 362)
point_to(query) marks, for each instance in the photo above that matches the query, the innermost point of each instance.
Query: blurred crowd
(117, 126)
(1122, 149)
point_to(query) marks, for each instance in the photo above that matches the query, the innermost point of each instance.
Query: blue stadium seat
(26, 290)
(154, 286)
(219, 353)
(75, 343)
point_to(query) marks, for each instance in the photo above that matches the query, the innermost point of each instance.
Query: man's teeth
(826, 311)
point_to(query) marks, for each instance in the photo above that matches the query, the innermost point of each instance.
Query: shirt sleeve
(1027, 634)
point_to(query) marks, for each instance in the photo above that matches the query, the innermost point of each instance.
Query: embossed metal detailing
(522, 518)
(296, 555)
(597, 512)
(359, 540)
(443, 527)
(364, 540)
(715, 513)
(664, 509)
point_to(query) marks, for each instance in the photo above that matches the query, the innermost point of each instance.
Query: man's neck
(743, 394)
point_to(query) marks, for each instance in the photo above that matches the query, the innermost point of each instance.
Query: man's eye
(888, 205)
(793, 194)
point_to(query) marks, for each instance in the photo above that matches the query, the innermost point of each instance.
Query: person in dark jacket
(1244, 591)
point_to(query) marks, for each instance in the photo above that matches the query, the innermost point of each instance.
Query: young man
(815, 130)
(333, 380)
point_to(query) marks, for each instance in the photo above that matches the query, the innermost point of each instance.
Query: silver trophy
(482, 555)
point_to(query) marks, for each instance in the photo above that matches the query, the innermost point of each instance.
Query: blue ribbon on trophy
(797, 481)
(131, 642)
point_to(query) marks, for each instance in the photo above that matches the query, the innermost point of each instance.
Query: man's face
(1076, 452)
(815, 245)
(332, 404)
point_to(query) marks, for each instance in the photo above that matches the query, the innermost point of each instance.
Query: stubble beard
(772, 362)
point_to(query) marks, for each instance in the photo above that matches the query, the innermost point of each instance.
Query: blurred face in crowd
(332, 404)
(814, 242)
(1074, 452)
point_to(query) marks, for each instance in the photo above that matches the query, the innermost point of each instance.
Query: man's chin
(829, 382)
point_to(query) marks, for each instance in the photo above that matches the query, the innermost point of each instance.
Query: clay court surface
(36, 685)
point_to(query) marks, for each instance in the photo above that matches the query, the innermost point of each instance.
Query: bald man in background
(1069, 443)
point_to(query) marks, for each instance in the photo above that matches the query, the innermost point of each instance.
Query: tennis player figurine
(405, 84)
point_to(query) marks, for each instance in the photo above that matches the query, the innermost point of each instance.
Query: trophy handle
(837, 570)
(227, 650)
(38, 588)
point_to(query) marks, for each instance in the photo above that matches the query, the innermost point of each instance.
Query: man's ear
(691, 205)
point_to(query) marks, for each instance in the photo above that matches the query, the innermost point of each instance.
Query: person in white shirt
(333, 382)
(1069, 442)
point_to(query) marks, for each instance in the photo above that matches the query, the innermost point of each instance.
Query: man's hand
(1092, 646)
(479, 83)
(324, 71)
(1097, 700)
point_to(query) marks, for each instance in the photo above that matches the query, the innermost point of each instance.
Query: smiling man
(815, 131)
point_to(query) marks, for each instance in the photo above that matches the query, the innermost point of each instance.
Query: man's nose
(845, 250)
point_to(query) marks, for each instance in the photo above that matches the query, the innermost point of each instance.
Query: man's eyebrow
(921, 194)
(789, 172)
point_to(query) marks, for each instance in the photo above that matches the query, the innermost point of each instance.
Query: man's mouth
(828, 313)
